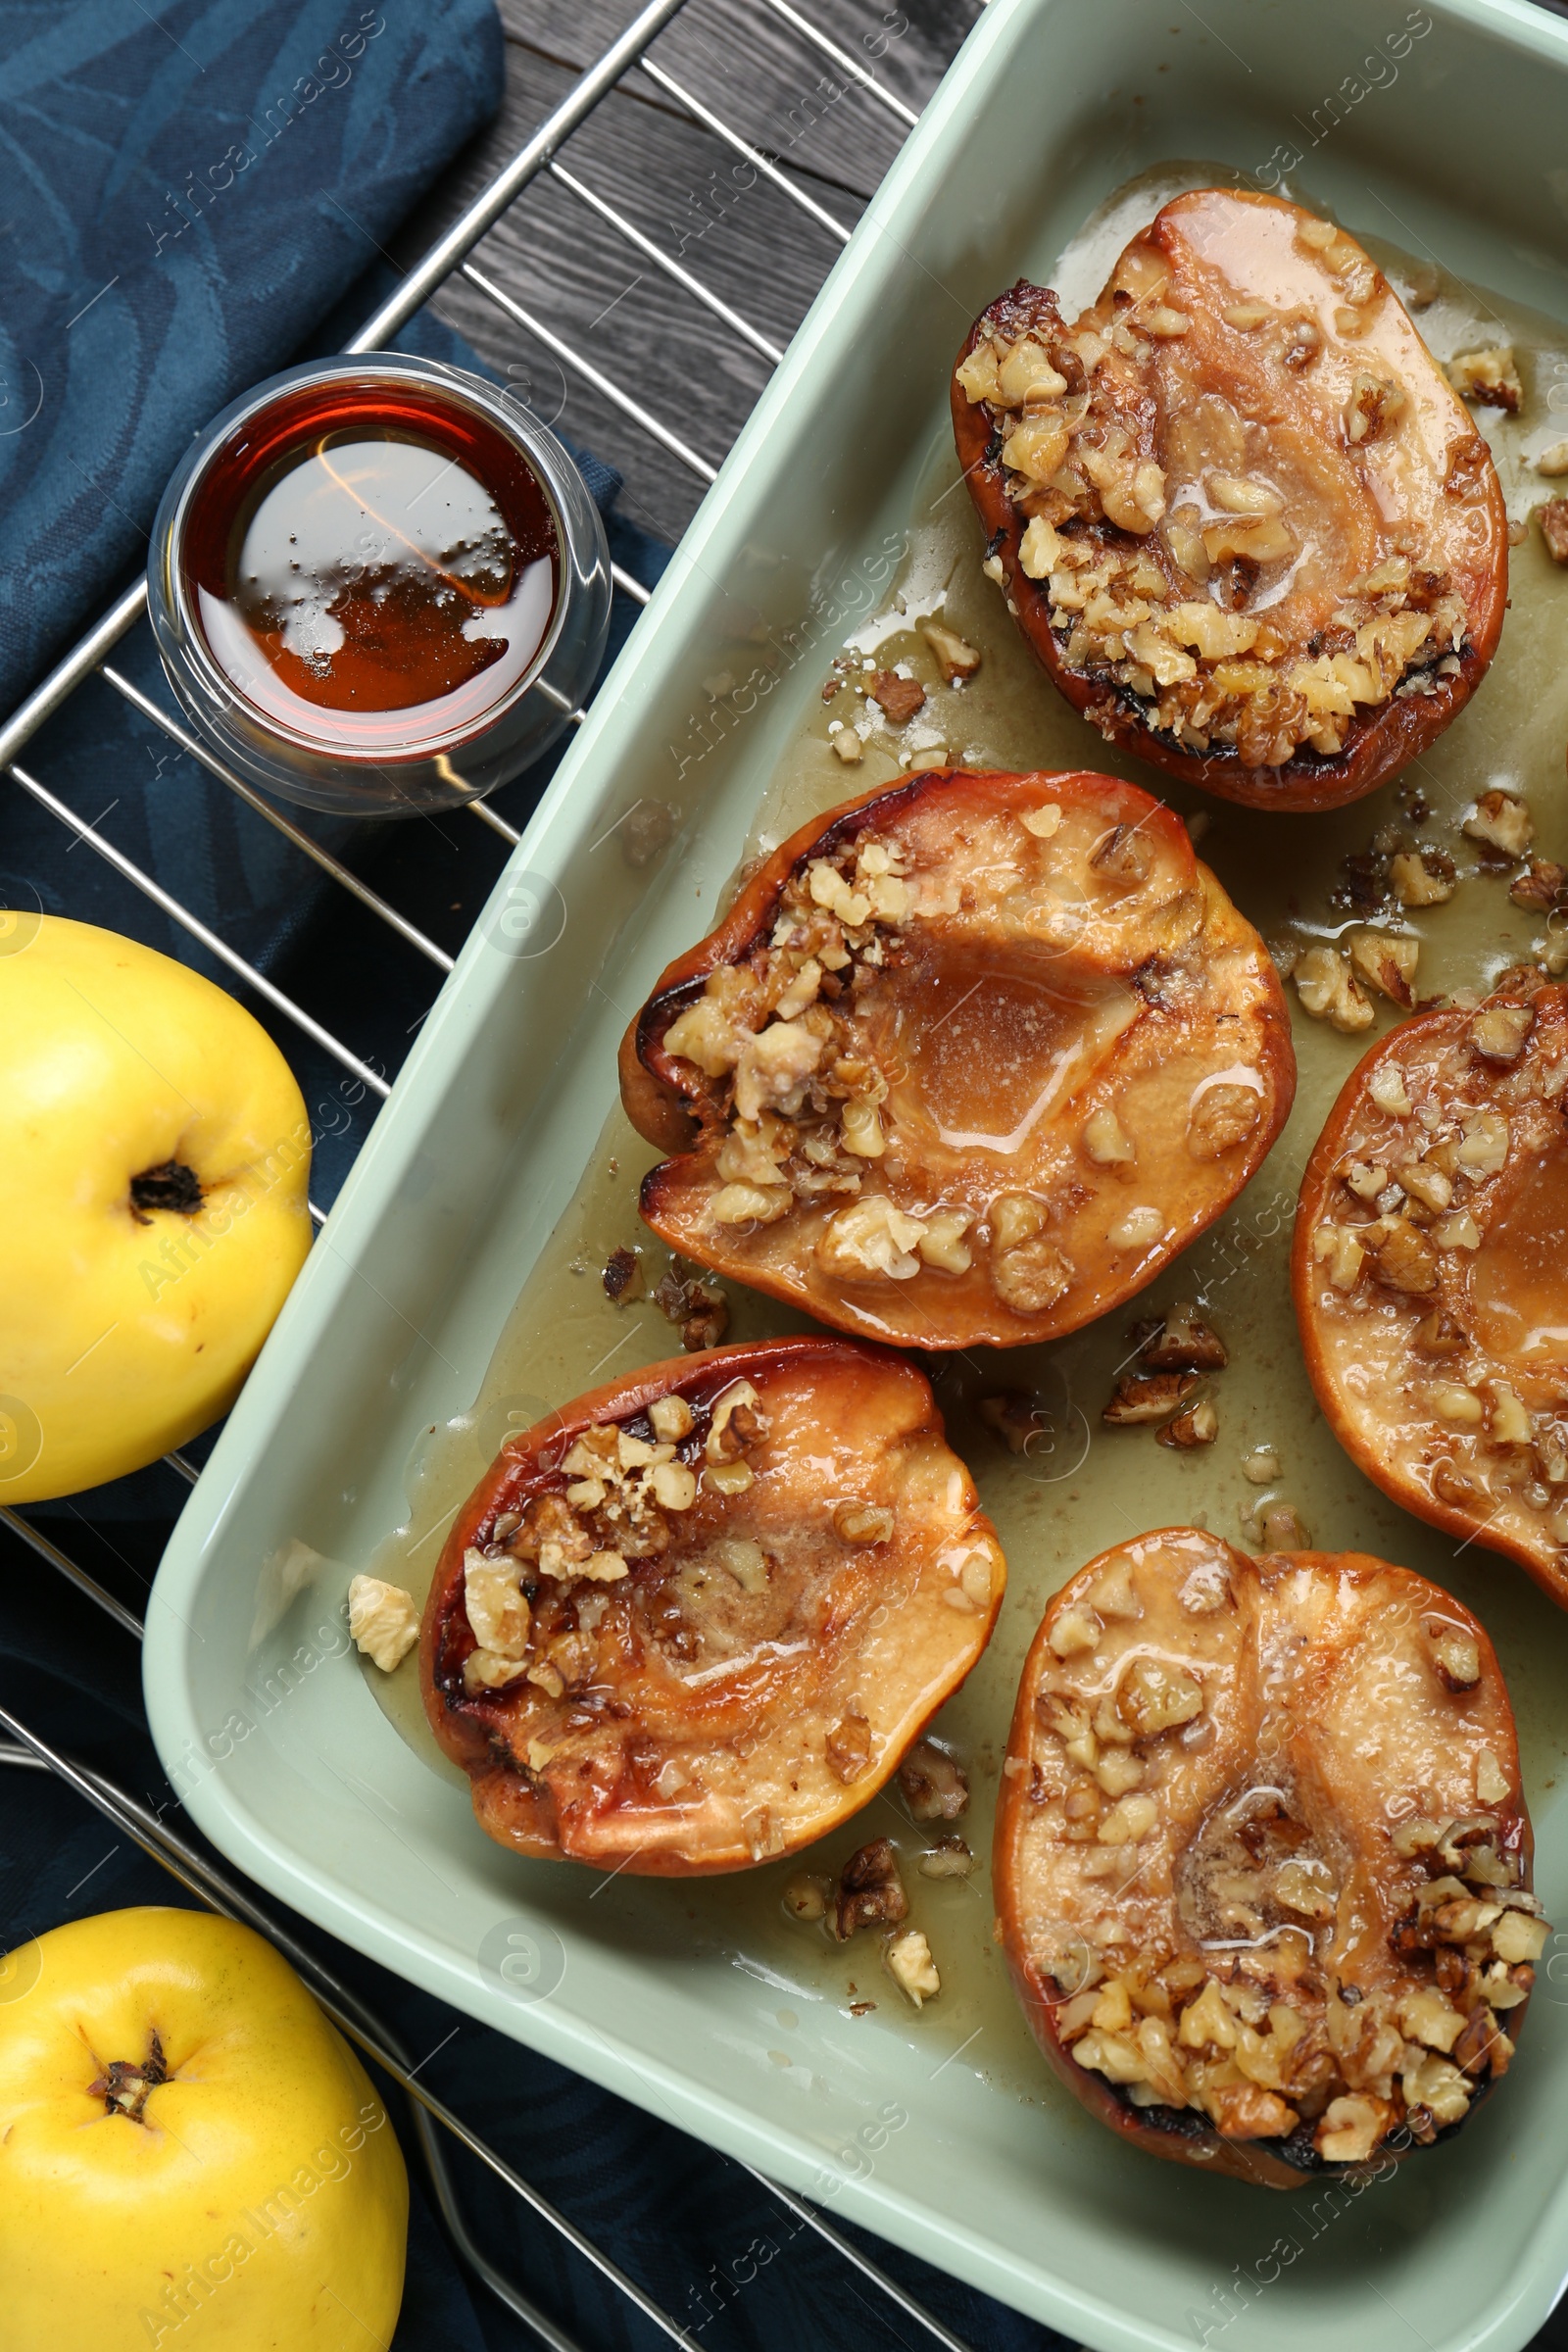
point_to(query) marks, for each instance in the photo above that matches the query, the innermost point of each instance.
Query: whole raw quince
(154, 1158)
(191, 2156)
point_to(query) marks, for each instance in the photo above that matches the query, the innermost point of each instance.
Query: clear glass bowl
(425, 757)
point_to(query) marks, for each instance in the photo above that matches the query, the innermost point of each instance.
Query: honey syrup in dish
(1074, 1488)
(371, 569)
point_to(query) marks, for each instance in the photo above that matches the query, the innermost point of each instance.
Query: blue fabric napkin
(190, 185)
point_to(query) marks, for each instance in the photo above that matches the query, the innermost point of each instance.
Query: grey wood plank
(775, 87)
(684, 188)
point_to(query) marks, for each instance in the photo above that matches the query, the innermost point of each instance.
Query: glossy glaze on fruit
(968, 1062)
(1262, 1859)
(1237, 508)
(696, 1618)
(1430, 1269)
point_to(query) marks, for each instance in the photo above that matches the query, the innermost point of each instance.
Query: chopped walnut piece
(942, 1244)
(909, 1964)
(870, 1892)
(948, 1858)
(1107, 1140)
(934, 1786)
(1402, 1259)
(1455, 1656)
(1029, 1272)
(1197, 1426)
(1387, 960)
(494, 1601)
(899, 698)
(1329, 991)
(1350, 2128)
(1222, 1115)
(1489, 377)
(1500, 1031)
(870, 1241)
(1501, 821)
(383, 1622)
(1554, 521)
(1154, 1697)
(1422, 877)
(956, 659)
(1142, 1397)
(1182, 1342)
(863, 1523)
(1342, 1255)
(671, 1418)
(1541, 887)
(698, 1305)
(1139, 1228)
(623, 1276)
(849, 1747)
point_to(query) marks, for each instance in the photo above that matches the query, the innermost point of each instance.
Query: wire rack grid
(448, 261)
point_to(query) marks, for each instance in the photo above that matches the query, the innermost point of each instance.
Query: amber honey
(372, 566)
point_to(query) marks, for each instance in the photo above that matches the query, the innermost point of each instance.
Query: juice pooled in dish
(1237, 508)
(697, 1618)
(967, 1063)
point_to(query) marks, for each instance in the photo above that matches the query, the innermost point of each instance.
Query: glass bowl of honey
(379, 585)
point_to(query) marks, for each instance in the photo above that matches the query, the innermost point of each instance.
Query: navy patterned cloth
(189, 187)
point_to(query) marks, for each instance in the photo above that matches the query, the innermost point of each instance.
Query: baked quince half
(1236, 506)
(695, 1619)
(1430, 1270)
(1262, 1859)
(967, 1063)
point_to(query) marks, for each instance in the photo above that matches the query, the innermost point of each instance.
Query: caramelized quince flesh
(1262, 1860)
(1237, 508)
(697, 1618)
(969, 1060)
(1430, 1269)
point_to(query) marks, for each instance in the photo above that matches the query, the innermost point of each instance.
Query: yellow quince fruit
(191, 2156)
(154, 1159)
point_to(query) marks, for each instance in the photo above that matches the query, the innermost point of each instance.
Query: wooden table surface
(677, 182)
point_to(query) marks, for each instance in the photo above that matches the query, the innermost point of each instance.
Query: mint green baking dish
(1439, 128)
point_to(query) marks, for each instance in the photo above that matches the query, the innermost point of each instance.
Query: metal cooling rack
(449, 257)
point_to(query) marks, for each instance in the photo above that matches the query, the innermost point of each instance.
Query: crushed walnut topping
(1186, 1944)
(1173, 1351)
(526, 1594)
(909, 1962)
(801, 1106)
(383, 1621)
(1490, 378)
(934, 1786)
(1428, 1269)
(1167, 535)
(870, 1892)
